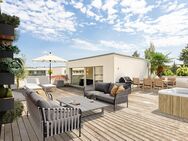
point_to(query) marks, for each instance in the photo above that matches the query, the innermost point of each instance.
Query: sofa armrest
(88, 89)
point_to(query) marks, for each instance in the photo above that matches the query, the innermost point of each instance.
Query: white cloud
(96, 4)
(85, 45)
(136, 6)
(104, 45)
(46, 19)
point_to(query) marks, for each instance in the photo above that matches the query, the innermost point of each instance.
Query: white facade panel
(128, 66)
(107, 62)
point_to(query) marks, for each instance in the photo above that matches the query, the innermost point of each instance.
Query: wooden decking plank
(137, 128)
(156, 129)
(105, 123)
(2, 135)
(94, 133)
(88, 135)
(23, 132)
(29, 129)
(101, 131)
(8, 132)
(126, 131)
(98, 124)
(15, 131)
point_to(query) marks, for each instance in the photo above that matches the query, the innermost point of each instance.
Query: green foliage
(50, 72)
(14, 49)
(184, 55)
(174, 68)
(10, 20)
(136, 54)
(158, 60)
(11, 65)
(13, 114)
(5, 92)
(149, 51)
(168, 72)
(21, 74)
(182, 71)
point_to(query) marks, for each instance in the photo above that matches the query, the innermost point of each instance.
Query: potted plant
(7, 25)
(8, 51)
(6, 99)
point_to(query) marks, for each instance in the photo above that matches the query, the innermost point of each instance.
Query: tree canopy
(136, 54)
(184, 55)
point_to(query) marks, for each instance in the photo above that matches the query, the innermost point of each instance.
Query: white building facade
(106, 68)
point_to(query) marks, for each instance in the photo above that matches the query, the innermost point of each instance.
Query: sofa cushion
(53, 104)
(35, 97)
(110, 87)
(91, 93)
(114, 90)
(120, 89)
(105, 97)
(102, 87)
(43, 104)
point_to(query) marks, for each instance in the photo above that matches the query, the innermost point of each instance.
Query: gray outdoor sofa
(50, 117)
(101, 92)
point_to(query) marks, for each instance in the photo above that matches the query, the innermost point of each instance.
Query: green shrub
(168, 72)
(5, 92)
(11, 115)
(14, 49)
(10, 20)
(182, 71)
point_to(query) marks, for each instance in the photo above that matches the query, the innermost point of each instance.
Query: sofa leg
(80, 132)
(27, 113)
(114, 107)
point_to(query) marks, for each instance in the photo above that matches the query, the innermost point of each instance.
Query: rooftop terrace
(141, 121)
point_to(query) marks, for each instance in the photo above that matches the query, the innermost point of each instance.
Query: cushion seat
(93, 93)
(105, 97)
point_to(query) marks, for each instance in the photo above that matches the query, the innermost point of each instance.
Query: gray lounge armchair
(102, 92)
(50, 117)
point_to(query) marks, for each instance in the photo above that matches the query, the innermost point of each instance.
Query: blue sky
(80, 28)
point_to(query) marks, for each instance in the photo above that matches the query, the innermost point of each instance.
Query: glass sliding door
(98, 74)
(89, 76)
(77, 76)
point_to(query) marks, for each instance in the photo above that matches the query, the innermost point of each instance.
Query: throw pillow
(120, 89)
(114, 90)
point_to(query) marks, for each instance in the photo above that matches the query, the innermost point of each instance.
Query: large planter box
(6, 54)
(6, 32)
(6, 104)
(6, 78)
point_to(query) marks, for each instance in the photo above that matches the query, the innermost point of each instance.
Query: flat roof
(113, 53)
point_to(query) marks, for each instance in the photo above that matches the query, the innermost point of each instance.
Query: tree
(184, 55)
(158, 61)
(174, 68)
(149, 51)
(136, 54)
(21, 74)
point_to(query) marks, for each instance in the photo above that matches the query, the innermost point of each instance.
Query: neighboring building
(105, 68)
(43, 71)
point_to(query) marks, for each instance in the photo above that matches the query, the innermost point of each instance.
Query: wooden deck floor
(141, 121)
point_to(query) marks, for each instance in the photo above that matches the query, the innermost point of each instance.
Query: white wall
(105, 61)
(128, 66)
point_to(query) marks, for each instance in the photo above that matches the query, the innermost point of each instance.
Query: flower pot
(6, 54)
(6, 78)
(6, 32)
